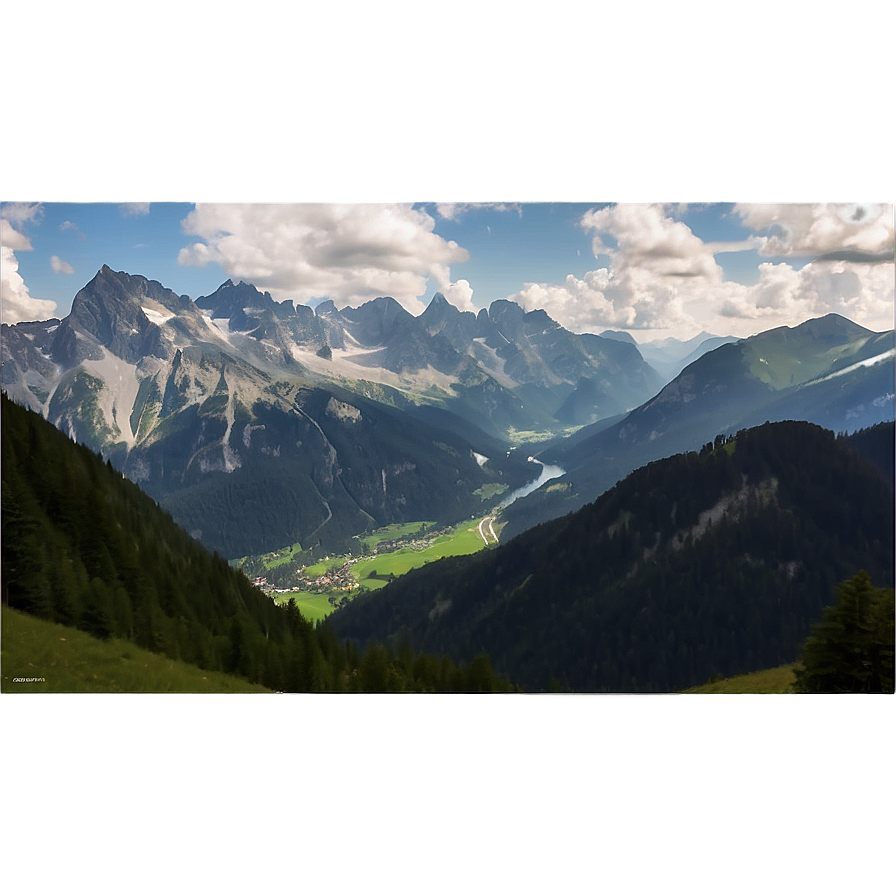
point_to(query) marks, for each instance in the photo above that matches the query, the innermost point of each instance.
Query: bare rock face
(110, 309)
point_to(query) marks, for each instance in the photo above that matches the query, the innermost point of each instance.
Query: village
(338, 581)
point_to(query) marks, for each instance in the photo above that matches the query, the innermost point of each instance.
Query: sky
(656, 270)
(483, 158)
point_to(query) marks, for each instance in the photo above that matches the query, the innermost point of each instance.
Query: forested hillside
(707, 563)
(83, 546)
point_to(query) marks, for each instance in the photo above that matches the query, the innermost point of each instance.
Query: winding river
(548, 472)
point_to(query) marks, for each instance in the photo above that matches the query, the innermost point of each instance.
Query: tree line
(710, 562)
(85, 547)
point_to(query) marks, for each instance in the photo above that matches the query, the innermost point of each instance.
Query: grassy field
(768, 681)
(374, 572)
(313, 607)
(70, 661)
(397, 530)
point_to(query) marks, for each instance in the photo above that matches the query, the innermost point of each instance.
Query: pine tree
(851, 649)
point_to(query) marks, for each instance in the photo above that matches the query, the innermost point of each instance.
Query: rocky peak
(378, 320)
(229, 299)
(328, 306)
(109, 310)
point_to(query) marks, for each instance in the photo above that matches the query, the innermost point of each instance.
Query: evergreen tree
(851, 649)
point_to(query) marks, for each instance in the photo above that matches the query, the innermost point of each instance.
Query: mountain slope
(84, 547)
(827, 371)
(65, 660)
(698, 564)
(207, 408)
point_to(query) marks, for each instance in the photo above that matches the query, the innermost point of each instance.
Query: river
(548, 472)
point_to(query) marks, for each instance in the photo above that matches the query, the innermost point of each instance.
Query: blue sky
(584, 107)
(656, 270)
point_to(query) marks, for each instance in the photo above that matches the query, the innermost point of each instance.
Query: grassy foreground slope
(69, 661)
(766, 681)
(84, 547)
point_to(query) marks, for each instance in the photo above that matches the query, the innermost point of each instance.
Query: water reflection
(548, 472)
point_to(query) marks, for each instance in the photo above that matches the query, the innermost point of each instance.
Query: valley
(540, 508)
(321, 587)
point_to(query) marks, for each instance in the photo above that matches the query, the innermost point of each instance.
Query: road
(491, 528)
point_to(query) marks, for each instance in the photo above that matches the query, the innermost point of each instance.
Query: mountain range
(259, 423)
(827, 371)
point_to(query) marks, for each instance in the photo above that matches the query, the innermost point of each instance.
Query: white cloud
(132, 209)
(784, 296)
(349, 253)
(12, 239)
(648, 239)
(460, 295)
(664, 280)
(21, 212)
(454, 211)
(656, 263)
(802, 229)
(17, 303)
(59, 266)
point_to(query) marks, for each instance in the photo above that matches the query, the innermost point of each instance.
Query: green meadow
(376, 571)
(766, 681)
(397, 530)
(68, 661)
(313, 607)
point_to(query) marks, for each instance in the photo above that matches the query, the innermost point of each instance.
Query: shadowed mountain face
(206, 406)
(715, 562)
(261, 423)
(829, 371)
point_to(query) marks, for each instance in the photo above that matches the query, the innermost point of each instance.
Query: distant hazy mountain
(828, 371)
(619, 336)
(670, 356)
(715, 562)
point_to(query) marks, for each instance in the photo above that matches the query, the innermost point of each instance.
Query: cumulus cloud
(59, 266)
(656, 264)
(807, 230)
(460, 295)
(132, 209)
(454, 211)
(784, 296)
(12, 239)
(662, 278)
(348, 253)
(16, 301)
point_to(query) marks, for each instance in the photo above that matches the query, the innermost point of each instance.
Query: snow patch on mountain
(220, 326)
(118, 398)
(157, 317)
(490, 361)
(344, 365)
